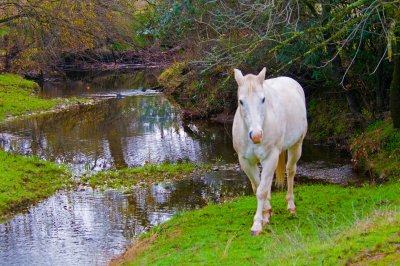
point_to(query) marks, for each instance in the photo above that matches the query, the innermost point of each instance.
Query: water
(141, 127)
(91, 227)
(131, 126)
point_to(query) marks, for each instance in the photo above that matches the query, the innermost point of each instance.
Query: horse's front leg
(252, 171)
(264, 190)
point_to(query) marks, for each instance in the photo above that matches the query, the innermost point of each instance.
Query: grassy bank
(126, 178)
(18, 96)
(377, 150)
(364, 222)
(26, 180)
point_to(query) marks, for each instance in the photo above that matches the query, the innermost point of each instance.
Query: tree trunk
(395, 88)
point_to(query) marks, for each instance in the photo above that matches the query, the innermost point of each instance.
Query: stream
(132, 125)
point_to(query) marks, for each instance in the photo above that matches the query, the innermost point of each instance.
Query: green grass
(126, 178)
(26, 180)
(326, 215)
(18, 97)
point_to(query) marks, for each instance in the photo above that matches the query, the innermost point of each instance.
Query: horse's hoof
(256, 233)
(292, 210)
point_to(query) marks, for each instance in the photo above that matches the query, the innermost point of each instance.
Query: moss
(377, 150)
(173, 76)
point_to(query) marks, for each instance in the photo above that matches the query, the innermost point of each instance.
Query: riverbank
(376, 151)
(26, 180)
(333, 225)
(19, 98)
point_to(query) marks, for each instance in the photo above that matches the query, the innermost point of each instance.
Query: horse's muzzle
(256, 138)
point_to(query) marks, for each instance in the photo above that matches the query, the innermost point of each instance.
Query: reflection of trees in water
(95, 83)
(118, 133)
(215, 139)
(93, 133)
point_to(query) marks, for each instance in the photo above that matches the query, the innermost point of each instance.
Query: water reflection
(89, 227)
(88, 83)
(117, 133)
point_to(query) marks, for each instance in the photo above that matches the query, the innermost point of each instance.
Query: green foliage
(171, 20)
(126, 178)
(333, 225)
(26, 180)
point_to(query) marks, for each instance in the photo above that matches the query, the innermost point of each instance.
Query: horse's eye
(241, 102)
(263, 100)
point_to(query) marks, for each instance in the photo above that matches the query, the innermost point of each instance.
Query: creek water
(131, 126)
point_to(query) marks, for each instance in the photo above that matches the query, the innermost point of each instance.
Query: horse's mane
(252, 82)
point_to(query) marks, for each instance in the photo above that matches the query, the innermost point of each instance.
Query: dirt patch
(133, 251)
(138, 247)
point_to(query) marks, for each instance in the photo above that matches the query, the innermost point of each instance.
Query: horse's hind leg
(294, 154)
(252, 171)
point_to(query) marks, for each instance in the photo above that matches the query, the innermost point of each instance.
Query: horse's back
(289, 101)
(286, 87)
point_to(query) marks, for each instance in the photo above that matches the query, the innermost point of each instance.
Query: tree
(341, 43)
(44, 30)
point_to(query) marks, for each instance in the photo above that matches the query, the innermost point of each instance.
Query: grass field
(333, 226)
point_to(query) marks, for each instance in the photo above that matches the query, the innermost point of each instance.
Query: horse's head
(251, 99)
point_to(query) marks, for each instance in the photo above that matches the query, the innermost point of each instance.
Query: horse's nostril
(251, 135)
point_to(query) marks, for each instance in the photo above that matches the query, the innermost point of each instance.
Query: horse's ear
(261, 75)
(238, 76)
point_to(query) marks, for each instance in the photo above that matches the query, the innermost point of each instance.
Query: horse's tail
(280, 170)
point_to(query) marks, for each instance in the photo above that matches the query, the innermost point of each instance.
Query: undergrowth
(377, 150)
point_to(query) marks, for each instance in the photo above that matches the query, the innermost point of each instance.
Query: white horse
(270, 120)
